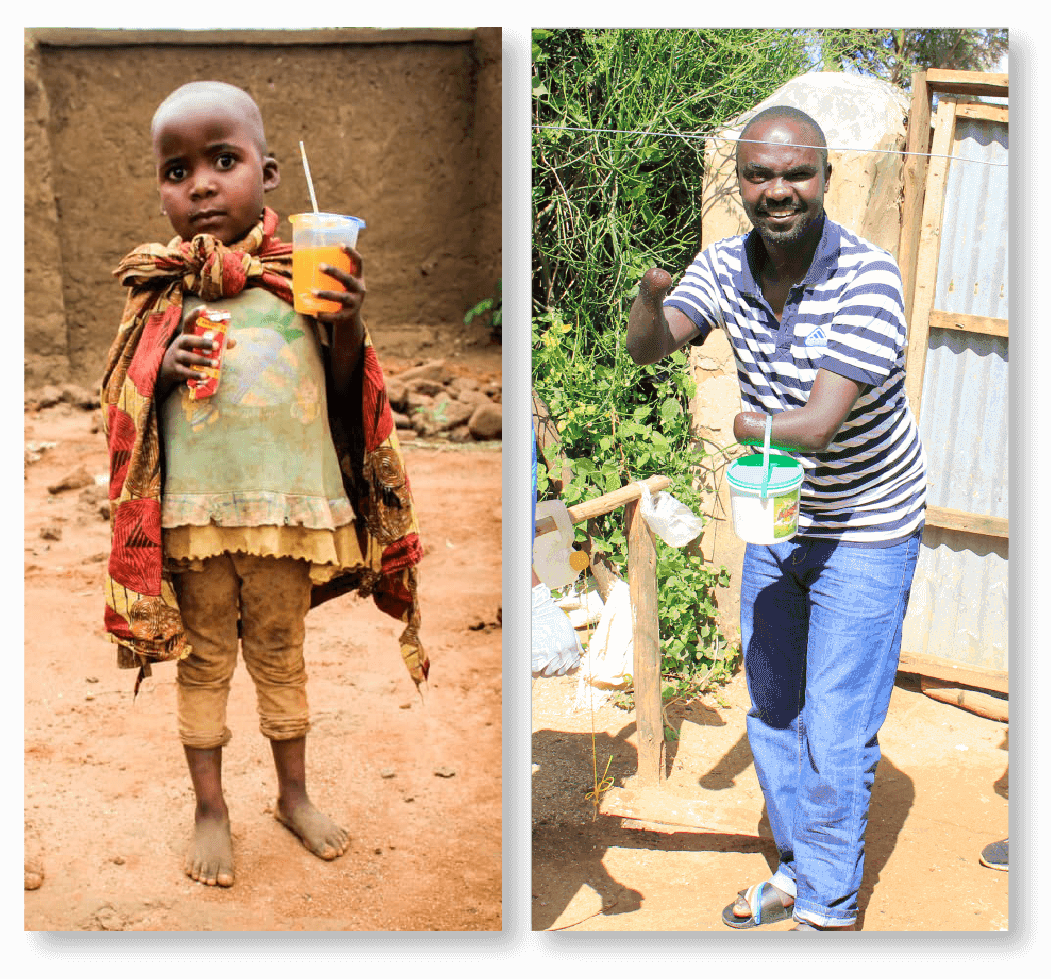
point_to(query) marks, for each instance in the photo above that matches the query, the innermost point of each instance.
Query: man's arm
(810, 428)
(653, 330)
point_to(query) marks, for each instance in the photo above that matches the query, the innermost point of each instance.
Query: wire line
(737, 139)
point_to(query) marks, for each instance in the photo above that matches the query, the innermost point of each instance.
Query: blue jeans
(821, 633)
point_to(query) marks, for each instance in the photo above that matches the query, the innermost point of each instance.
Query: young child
(234, 514)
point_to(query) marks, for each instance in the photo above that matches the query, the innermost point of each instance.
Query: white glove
(556, 649)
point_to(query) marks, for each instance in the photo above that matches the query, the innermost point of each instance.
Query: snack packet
(212, 324)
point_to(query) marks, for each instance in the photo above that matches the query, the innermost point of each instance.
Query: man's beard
(782, 238)
(789, 236)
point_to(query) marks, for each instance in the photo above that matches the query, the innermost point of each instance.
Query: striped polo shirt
(847, 315)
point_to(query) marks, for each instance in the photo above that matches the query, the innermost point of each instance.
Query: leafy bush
(607, 206)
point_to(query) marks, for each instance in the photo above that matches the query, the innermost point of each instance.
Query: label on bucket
(786, 515)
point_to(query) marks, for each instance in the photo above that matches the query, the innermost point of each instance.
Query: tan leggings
(273, 596)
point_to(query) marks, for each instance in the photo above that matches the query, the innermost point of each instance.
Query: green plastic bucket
(765, 514)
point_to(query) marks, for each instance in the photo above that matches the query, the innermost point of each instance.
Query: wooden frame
(918, 250)
(647, 800)
(642, 582)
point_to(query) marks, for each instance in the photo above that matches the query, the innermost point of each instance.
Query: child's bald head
(197, 97)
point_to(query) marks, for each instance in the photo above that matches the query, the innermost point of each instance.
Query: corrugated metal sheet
(963, 422)
(958, 607)
(972, 261)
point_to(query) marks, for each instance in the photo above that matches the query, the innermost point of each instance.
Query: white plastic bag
(669, 519)
(555, 646)
(608, 662)
(584, 607)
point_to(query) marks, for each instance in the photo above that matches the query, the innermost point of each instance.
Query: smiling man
(816, 319)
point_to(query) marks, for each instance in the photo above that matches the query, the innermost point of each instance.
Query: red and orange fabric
(142, 613)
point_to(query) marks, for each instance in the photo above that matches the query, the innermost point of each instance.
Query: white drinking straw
(310, 183)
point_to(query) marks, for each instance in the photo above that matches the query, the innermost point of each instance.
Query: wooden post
(642, 581)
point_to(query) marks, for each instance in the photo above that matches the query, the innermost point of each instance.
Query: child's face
(211, 169)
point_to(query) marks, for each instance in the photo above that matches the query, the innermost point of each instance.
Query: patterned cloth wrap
(142, 613)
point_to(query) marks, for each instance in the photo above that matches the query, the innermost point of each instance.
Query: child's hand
(351, 300)
(185, 354)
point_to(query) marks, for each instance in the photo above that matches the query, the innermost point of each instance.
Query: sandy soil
(940, 796)
(417, 781)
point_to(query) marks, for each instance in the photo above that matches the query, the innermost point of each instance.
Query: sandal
(994, 856)
(764, 904)
(802, 925)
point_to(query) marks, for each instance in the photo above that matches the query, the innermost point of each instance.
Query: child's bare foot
(210, 859)
(319, 834)
(34, 874)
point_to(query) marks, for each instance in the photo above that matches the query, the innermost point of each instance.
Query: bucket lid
(746, 473)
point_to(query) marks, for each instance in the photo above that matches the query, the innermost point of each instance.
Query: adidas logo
(816, 338)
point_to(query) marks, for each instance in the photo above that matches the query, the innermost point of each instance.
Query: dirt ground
(940, 796)
(417, 781)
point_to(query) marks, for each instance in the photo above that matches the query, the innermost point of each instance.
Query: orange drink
(307, 275)
(317, 239)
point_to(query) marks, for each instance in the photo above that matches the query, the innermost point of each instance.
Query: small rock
(434, 369)
(48, 396)
(453, 414)
(444, 771)
(119, 861)
(107, 919)
(487, 421)
(428, 386)
(77, 479)
(80, 397)
(397, 392)
(387, 773)
(51, 531)
(95, 499)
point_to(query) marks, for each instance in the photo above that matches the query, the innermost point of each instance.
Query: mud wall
(402, 128)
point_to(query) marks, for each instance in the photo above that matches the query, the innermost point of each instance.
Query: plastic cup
(317, 239)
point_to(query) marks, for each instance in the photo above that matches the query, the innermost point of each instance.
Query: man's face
(782, 186)
(211, 171)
